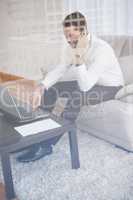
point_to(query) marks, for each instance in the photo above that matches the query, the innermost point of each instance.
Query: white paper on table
(37, 127)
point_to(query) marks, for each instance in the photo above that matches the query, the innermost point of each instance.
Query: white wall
(34, 35)
(3, 34)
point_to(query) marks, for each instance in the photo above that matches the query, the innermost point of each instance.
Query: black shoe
(33, 155)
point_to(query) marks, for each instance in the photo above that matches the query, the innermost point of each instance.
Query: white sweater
(100, 67)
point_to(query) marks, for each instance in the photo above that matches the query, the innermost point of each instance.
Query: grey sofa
(113, 120)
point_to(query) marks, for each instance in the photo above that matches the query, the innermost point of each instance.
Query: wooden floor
(2, 192)
(4, 77)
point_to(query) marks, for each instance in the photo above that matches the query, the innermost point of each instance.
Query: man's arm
(53, 76)
(88, 75)
(87, 78)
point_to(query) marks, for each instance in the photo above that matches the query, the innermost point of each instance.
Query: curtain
(105, 17)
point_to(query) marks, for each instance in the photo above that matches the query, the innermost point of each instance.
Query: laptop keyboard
(40, 113)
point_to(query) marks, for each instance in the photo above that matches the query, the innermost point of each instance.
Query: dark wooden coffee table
(11, 141)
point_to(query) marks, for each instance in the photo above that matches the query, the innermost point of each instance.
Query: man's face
(72, 34)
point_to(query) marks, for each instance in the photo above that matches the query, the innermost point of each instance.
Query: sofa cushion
(112, 122)
(122, 44)
(127, 99)
(125, 94)
(126, 64)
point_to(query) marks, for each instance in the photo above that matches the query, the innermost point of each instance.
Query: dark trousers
(76, 99)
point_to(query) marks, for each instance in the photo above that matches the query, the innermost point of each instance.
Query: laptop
(17, 110)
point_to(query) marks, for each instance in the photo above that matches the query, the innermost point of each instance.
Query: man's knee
(50, 97)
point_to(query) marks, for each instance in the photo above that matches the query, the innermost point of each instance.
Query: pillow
(125, 94)
(127, 99)
(116, 43)
(126, 64)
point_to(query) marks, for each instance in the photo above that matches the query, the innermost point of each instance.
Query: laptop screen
(12, 106)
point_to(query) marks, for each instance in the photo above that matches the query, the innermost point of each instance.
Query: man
(96, 77)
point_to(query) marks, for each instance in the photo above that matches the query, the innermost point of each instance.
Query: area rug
(106, 173)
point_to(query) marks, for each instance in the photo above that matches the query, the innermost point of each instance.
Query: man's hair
(75, 19)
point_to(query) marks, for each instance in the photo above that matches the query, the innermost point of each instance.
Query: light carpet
(106, 173)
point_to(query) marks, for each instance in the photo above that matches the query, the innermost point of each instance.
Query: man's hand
(37, 96)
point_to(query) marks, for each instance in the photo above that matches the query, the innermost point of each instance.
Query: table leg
(74, 149)
(7, 173)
